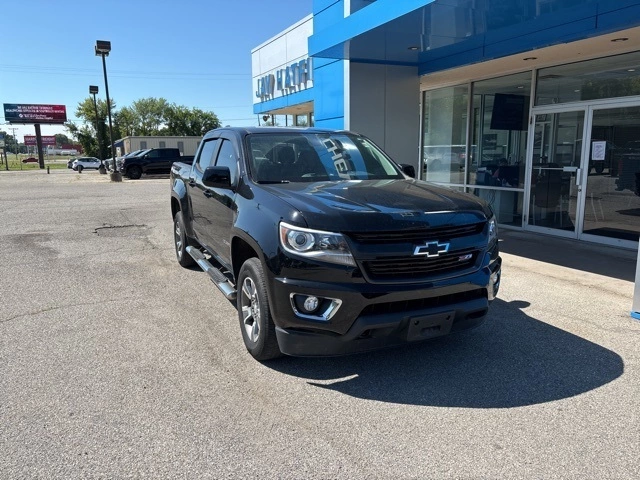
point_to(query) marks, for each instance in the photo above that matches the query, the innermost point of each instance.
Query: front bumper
(377, 316)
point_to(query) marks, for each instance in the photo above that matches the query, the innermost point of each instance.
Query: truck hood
(362, 205)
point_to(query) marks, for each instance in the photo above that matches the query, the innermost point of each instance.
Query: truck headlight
(315, 244)
(493, 230)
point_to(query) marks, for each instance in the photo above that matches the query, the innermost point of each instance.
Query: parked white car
(83, 163)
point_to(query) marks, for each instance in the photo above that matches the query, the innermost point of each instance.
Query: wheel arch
(242, 250)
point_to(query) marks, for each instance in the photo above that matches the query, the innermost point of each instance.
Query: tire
(134, 172)
(80, 168)
(256, 323)
(181, 242)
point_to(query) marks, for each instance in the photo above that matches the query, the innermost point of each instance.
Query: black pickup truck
(328, 246)
(151, 161)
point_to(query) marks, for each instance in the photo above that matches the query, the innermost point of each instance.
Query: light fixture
(620, 39)
(103, 47)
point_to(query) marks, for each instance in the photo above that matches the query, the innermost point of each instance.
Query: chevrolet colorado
(327, 246)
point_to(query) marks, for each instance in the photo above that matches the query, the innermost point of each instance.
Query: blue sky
(195, 53)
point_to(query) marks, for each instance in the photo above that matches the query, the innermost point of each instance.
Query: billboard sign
(34, 113)
(30, 140)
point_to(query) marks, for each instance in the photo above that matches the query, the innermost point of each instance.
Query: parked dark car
(151, 161)
(327, 246)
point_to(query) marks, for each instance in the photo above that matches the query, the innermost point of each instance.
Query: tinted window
(227, 158)
(153, 154)
(205, 158)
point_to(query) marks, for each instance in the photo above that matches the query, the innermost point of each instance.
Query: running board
(217, 277)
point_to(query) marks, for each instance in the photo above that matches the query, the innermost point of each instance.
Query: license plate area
(430, 326)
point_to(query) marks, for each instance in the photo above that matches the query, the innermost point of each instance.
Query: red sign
(30, 113)
(30, 140)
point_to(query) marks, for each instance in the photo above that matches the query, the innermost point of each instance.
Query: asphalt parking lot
(117, 363)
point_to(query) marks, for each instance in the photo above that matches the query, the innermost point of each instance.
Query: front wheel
(134, 172)
(80, 168)
(256, 323)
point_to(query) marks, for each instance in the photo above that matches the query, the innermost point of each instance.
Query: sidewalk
(613, 262)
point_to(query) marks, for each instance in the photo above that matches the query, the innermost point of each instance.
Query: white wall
(190, 143)
(384, 105)
(279, 52)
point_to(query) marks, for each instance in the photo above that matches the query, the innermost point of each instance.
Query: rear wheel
(134, 172)
(256, 323)
(180, 241)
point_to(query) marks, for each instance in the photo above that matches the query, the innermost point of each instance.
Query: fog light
(311, 304)
(494, 285)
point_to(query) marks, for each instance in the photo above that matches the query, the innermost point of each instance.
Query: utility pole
(13, 130)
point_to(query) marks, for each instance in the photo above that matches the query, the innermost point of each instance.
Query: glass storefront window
(302, 120)
(499, 131)
(608, 77)
(445, 134)
(506, 204)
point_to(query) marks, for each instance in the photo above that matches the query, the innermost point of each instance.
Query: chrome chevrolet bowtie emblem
(431, 249)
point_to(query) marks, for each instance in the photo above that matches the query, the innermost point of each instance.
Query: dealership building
(532, 105)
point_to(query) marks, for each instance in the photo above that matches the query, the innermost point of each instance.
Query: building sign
(285, 80)
(30, 113)
(30, 140)
(266, 85)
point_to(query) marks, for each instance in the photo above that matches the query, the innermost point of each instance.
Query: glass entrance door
(612, 181)
(555, 159)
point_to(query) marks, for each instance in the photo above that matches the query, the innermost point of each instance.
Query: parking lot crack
(51, 309)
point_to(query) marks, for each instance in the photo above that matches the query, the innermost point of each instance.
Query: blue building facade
(533, 105)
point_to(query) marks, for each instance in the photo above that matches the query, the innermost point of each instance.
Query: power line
(67, 71)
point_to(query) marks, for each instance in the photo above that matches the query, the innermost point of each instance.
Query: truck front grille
(418, 235)
(419, 267)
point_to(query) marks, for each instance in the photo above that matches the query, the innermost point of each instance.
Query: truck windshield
(317, 156)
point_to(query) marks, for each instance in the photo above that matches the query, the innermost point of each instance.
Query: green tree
(150, 114)
(92, 128)
(10, 142)
(126, 121)
(62, 139)
(181, 120)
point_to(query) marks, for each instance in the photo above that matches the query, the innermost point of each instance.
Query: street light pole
(102, 49)
(93, 89)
